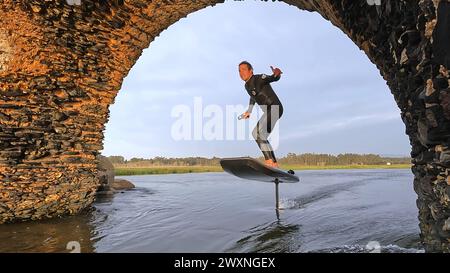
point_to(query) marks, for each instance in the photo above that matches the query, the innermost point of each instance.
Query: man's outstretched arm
(274, 77)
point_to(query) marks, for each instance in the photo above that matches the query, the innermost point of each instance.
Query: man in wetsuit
(260, 91)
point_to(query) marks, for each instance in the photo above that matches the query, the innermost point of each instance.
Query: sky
(334, 99)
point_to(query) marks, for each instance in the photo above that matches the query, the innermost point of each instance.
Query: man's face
(244, 72)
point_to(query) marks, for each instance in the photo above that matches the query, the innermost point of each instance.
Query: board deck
(250, 168)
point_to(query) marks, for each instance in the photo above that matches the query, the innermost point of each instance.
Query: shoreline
(125, 171)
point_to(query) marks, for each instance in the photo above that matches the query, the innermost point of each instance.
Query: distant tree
(116, 159)
(308, 159)
(135, 159)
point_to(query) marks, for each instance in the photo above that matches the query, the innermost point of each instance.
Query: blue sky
(334, 99)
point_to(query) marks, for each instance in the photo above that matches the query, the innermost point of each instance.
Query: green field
(202, 169)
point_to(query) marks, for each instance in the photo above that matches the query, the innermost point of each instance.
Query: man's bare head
(245, 70)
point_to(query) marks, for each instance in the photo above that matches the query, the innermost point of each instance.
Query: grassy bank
(201, 169)
(346, 167)
(166, 170)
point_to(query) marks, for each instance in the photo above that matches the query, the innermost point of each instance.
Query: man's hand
(276, 71)
(246, 115)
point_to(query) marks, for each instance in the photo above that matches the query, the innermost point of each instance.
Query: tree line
(307, 159)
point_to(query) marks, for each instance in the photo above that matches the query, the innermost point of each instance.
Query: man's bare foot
(271, 163)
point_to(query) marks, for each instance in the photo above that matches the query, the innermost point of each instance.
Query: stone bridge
(63, 62)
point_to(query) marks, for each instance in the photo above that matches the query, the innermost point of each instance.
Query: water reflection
(54, 235)
(271, 237)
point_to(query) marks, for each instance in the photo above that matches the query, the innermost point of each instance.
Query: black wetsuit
(260, 91)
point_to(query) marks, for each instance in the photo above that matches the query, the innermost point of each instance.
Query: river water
(327, 211)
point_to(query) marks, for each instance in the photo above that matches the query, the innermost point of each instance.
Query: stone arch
(63, 62)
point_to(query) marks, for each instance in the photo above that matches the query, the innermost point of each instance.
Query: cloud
(340, 124)
(328, 87)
